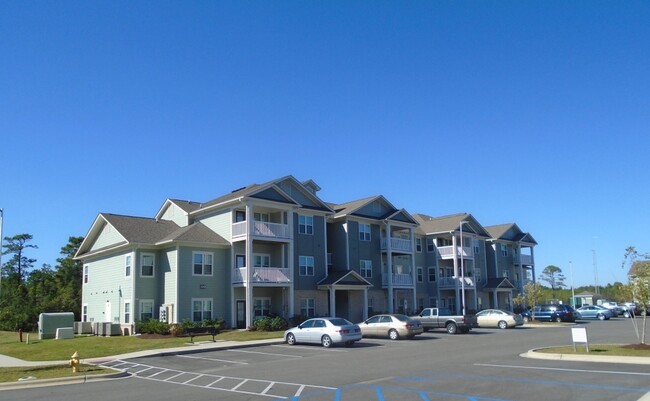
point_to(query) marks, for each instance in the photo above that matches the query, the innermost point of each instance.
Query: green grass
(608, 350)
(94, 347)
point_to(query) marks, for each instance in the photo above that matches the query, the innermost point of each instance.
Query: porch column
(332, 301)
(495, 299)
(456, 274)
(532, 262)
(365, 303)
(249, 266)
(290, 264)
(413, 272)
(389, 267)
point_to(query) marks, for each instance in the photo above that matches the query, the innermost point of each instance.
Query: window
(127, 312)
(202, 264)
(477, 274)
(146, 309)
(305, 224)
(146, 268)
(371, 306)
(418, 245)
(240, 260)
(479, 303)
(261, 307)
(364, 232)
(306, 264)
(307, 307)
(505, 273)
(86, 274)
(432, 274)
(201, 309)
(127, 266)
(264, 217)
(240, 216)
(430, 245)
(504, 250)
(84, 313)
(365, 268)
(476, 247)
(262, 261)
(420, 274)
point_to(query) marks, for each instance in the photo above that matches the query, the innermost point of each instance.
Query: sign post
(579, 335)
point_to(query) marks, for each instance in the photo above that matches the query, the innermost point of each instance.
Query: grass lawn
(598, 349)
(94, 347)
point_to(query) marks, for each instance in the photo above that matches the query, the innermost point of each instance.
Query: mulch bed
(638, 346)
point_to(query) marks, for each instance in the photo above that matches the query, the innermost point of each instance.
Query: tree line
(25, 292)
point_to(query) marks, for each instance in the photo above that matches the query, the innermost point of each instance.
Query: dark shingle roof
(141, 230)
(196, 233)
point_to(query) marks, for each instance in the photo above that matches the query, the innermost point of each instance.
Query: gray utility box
(83, 327)
(49, 322)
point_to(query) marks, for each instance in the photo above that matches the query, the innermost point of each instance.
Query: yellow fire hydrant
(74, 362)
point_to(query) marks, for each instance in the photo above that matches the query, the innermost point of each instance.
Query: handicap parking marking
(609, 372)
(212, 359)
(257, 387)
(263, 353)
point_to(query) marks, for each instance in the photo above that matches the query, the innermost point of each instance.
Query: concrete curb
(57, 381)
(534, 354)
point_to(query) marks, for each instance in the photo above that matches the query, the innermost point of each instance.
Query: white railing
(262, 229)
(526, 259)
(451, 282)
(397, 244)
(398, 279)
(262, 275)
(447, 252)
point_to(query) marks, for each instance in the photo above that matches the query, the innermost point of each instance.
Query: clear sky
(536, 113)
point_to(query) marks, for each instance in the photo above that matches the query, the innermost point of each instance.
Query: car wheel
(526, 319)
(291, 339)
(558, 319)
(601, 316)
(393, 334)
(503, 325)
(451, 328)
(326, 341)
(626, 314)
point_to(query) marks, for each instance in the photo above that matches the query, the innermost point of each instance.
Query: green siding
(220, 222)
(175, 214)
(105, 281)
(108, 236)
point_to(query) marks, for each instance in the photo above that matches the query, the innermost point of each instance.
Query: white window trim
(435, 274)
(306, 224)
(263, 299)
(365, 268)
(419, 274)
(307, 307)
(127, 302)
(203, 264)
(86, 275)
(129, 272)
(418, 245)
(262, 256)
(153, 261)
(433, 245)
(364, 232)
(312, 266)
(153, 308)
(202, 300)
(84, 316)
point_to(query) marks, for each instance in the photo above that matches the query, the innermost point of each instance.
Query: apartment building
(278, 249)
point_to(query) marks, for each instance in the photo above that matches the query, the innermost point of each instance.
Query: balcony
(397, 245)
(452, 282)
(262, 229)
(266, 275)
(399, 280)
(524, 260)
(447, 252)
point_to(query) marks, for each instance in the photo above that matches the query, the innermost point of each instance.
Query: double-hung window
(127, 266)
(432, 274)
(127, 312)
(305, 224)
(420, 274)
(365, 267)
(261, 307)
(146, 267)
(504, 250)
(86, 274)
(146, 309)
(306, 264)
(262, 260)
(202, 264)
(364, 232)
(307, 307)
(430, 245)
(418, 245)
(201, 309)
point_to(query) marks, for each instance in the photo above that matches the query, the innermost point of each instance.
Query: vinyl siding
(105, 280)
(169, 274)
(219, 222)
(310, 245)
(175, 214)
(107, 237)
(336, 239)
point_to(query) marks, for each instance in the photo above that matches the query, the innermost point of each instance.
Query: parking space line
(564, 369)
(266, 390)
(192, 379)
(263, 353)
(212, 359)
(309, 348)
(239, 385)
(173, 377)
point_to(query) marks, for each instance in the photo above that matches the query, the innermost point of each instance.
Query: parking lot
(484, 365)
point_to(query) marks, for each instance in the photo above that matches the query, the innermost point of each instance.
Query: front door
(108, 312)
(241, 314)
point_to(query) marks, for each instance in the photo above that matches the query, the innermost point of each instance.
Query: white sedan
(324, 330)
(498, 318)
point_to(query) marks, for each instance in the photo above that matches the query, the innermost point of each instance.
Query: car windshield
(339, 322)
(402, 318)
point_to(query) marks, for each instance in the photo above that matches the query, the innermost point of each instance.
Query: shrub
(152, 326)
(270, 323)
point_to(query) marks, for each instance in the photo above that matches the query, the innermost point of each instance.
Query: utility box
(83, 327)
(49, 322)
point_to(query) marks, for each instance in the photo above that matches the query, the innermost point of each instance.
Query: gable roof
(197, 233)
(353, 208)
(345, 278)
(447, 224)
(498, 282)
(499, 231)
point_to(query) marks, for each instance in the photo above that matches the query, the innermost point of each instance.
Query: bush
(181, 328)
(152, 326)
(270, 323)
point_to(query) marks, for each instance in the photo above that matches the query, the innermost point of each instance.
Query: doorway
(241, 314)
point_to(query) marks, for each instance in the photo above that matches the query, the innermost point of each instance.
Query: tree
(639, 283)
(531, 296)
(19, 264)
(554, 277)
(68, 277)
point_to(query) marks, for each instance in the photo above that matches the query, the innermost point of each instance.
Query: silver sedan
(324, 330)
(594, 312)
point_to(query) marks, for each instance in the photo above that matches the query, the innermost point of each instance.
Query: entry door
(241, 314)
(108, 313)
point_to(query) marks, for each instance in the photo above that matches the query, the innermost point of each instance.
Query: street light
(462, 267)
(573, 293)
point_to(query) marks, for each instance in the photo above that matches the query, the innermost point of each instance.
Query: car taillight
(344, 331)
(408, 325)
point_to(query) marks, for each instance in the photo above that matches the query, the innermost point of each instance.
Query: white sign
(579, 335)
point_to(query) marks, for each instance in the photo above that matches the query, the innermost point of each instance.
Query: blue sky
(514, 111)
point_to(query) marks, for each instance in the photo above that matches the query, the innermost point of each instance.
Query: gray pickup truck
(438, 318)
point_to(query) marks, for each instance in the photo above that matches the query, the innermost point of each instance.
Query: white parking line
(609, 372)
(263, 353)
(310, 348)
(212, 359)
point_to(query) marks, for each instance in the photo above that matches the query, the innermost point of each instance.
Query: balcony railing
(397, 244)
(401, 280)
(447, 252)
(452, 282)
(526, 259)
(262, 229)
(262, 275)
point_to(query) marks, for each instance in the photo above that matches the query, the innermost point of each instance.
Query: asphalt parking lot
(483, 366)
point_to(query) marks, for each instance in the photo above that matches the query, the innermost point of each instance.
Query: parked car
(631, 307)
(594, 312)
(526, 315)
(393, 326)
(438, 318)
(498, 318)
(324, 330)
(554, 313)
(616, 309)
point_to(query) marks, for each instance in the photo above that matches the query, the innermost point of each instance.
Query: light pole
(2, 217)
(462, 267)
(573, 293)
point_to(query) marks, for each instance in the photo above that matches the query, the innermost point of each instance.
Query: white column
(332, 301)
(249, 266)
(389, 267)
(456, 273)
(413, 272)
(291, 263)
(365, 303)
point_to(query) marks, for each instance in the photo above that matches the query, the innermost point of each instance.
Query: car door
(316, 332)
(385, 323)
(304, 331)
(369, 327)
